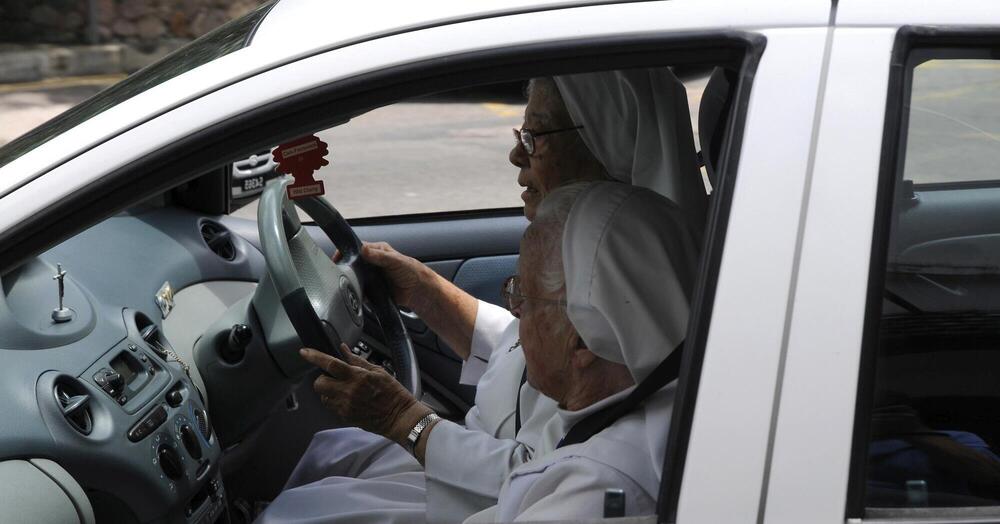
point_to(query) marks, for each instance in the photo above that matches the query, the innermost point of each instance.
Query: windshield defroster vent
(75, 406)
(218, 239)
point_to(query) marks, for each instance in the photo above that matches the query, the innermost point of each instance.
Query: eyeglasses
(526, 137)
(513, 298)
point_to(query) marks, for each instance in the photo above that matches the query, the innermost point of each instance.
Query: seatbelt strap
(517, 409)
(665, 372)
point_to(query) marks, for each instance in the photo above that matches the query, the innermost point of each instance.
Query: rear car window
(219, 42)
(934, 433)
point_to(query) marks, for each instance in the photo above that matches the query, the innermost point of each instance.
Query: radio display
(123, 367)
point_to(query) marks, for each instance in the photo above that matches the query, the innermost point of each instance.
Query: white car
(843, 356)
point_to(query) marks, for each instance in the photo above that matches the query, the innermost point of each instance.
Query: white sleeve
(571, 489)
(492, 323)
(464, 470)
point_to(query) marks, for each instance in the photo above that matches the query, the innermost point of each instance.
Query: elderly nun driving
(605, 275)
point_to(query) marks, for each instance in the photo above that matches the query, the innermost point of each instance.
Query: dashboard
(92, 385)
(123, 412)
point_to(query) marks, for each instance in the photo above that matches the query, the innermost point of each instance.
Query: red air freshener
(300, 158)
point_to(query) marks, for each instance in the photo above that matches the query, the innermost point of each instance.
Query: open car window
(437, 154)
(441, 153)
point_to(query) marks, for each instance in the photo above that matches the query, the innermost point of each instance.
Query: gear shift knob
(233, 349)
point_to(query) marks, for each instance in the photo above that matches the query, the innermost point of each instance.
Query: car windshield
(222, 41)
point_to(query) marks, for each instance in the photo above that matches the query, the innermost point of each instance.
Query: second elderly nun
(628, 257)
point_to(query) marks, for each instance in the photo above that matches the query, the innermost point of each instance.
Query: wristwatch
(414, 435)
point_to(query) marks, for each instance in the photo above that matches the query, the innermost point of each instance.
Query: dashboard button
(174, 398)
(116, 381)
(170, 462)
(147, 425)
(190, 441)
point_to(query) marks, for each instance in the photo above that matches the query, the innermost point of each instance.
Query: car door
(885, 389)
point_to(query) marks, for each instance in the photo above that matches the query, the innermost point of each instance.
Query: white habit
(630, 259)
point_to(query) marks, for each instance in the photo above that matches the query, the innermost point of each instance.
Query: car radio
(129, 375)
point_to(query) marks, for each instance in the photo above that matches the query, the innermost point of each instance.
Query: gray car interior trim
(238, 413)
(28, 494)
(69, 486)
(466, 236)
(196, 307)
(479, 276)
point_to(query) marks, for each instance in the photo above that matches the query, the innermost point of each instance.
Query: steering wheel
(325, 300)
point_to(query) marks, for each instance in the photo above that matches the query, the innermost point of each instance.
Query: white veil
(630, 261)
(637, 123)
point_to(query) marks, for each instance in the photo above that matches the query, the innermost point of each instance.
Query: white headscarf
(630, 259)
(636, 122)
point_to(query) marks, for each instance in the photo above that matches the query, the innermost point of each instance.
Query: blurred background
(56, 53)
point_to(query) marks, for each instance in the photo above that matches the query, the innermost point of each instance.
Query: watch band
(414, 435)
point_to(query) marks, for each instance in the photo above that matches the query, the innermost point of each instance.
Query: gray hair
(546, 88)
(547, 231)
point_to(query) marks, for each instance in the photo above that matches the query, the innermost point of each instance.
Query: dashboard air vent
(218, 239)
(75, 406)
(202, 419)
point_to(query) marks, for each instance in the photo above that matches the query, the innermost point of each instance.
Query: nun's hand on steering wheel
(365, 395)
(407, 276)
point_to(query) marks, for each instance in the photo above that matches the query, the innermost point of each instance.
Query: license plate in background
(253, 183)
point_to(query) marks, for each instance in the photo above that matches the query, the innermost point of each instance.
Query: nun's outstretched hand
(365, 395)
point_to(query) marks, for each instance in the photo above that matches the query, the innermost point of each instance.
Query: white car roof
(296, 27)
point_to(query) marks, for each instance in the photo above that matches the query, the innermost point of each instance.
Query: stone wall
(143, 24)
